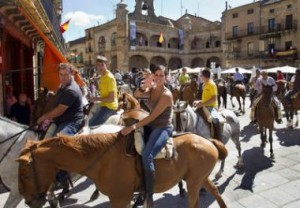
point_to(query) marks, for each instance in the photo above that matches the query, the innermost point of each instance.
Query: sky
(88, 13)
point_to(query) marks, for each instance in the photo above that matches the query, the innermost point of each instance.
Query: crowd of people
(156, 85)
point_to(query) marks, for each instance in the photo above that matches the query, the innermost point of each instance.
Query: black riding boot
(218, 133)
(149, 187)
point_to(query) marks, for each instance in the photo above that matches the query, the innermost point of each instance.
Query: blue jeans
(214, 114)
(69, 128)
(157, 140)
(100, 116)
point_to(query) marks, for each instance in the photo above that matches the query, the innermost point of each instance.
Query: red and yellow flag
(63, 27)
(161, 38)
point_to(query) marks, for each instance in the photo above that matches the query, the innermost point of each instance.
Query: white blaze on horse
(190, 121)
(9, 152)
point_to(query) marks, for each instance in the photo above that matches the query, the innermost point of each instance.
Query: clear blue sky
(88, 13)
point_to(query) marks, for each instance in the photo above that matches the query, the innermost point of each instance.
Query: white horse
(8, 166)
(192, 122)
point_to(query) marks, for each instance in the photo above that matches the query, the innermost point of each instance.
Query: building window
(271, 25)
(234, 31)
(289, 22)
(235, 15)
(250, 49)
(218, 43)
(250, 11)
(289, 6)
(272, 10)
(250, 28)
(113, 39)
(288, 45)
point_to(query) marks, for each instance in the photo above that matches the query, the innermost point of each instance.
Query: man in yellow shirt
(209, 100)
(184, 79)
(108, 94)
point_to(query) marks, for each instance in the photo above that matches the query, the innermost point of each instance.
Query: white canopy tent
(284, 69)
(195, 70)
(232, 71)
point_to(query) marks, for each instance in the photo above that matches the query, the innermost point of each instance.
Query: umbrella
(284, 69)
(232, 71)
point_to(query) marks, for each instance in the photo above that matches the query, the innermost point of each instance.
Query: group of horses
(100, 154)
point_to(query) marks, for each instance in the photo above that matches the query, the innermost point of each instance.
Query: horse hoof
(272, 156)
(95, 195)
(54, 203)
(263, 145)
(182, 193)
(218, 175)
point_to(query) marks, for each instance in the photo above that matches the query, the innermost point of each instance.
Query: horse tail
(221, 149)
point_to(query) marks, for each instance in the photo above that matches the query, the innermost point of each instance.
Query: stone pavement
(262, 183)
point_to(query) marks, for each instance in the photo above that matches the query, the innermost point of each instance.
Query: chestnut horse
(265, 115)
(188, 94)
(101, 157)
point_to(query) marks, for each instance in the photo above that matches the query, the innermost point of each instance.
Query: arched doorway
(197, 62)
(114, 63)
(175, 63)
(137, 62)
(216, 61)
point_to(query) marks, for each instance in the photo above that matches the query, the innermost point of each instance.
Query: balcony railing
(278, 54)
(53, 18)
(278, 28)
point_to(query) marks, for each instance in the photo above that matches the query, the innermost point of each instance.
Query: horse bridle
(40, 195)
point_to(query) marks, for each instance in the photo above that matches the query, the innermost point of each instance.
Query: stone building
(263, 33)
(141, 39)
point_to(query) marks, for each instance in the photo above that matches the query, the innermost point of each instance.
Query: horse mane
(84, 143)
(7, 120)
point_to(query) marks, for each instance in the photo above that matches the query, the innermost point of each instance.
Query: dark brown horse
(238, 91)
(188, 93)
(222, 92)
(265, 114)
(101, 158)
(45, 102)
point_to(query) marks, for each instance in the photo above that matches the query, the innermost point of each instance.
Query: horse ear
(30, 143)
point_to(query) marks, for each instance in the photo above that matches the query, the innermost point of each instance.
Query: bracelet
(133, 127)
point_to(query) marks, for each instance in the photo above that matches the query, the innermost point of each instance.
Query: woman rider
(160, 122)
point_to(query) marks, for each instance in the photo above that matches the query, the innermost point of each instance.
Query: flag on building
(161, 38)
(63, 27)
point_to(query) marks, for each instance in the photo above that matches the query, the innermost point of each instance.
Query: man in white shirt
(238, 77)
(269, 81)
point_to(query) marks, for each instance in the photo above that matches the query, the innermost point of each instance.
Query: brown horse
(238, 91)
(188, 93)
(222, 92)
(45, 102)
(265, 115)
(101, 158)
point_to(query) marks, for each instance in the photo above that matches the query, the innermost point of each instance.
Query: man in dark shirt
(68, 113)
(20, 111)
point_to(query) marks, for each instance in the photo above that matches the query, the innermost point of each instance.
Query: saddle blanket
(166, 153)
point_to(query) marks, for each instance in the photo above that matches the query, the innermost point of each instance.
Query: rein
(14, 142)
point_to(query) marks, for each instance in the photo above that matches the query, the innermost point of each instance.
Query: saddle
(206, 115)
(136, 143)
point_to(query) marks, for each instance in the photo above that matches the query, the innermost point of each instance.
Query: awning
(52, 57)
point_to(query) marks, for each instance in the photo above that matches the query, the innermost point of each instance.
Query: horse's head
(128, 102)
(35, 177)
(267, 90)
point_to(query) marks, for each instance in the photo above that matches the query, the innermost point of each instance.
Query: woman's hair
(161, 67)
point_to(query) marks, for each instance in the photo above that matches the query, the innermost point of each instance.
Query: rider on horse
(295, 84)
(238, 77)
(68, 113)
(184, 79)
(269, 81)
(209, 100)
(108, 94)
(159, 121)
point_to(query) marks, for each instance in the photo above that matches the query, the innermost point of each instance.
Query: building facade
(263, 34)
(26, 29)
(141, 39)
